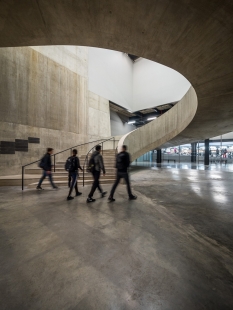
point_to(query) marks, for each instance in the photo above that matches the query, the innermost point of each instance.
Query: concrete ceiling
(193, 37)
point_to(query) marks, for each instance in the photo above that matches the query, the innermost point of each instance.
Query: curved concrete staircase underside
(162, 129)
(192, 37)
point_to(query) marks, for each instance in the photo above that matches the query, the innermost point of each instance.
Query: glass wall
(219, 151)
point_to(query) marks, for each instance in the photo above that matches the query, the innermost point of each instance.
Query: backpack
(41, 163)
(70, 163)
(91, 163)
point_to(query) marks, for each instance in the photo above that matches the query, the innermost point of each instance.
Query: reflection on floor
(154, 165)
(170, 249)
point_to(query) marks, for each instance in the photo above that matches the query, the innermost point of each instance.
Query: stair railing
(102, 149)
(70, 148)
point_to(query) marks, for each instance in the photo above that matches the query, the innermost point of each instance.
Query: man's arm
(127, 160)
(101, 163)
(47, 163)
(78, 164)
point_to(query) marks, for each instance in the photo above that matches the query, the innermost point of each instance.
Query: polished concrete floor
(170, 249)
(186, 165)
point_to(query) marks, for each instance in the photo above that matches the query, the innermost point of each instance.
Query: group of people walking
(96, 165)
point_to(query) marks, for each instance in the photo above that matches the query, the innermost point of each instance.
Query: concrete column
(207, 152)
(159, 156)
(193, 152)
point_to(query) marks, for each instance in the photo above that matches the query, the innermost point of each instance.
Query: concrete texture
(74, 58)
(43, 95)
(192, 37)
(162, 129)
(170, 249)
(99, 117)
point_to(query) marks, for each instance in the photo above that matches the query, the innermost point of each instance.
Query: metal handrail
(112, 138)
(54, 161)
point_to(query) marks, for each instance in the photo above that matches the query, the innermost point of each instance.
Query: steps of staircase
(32, 173)
(64, 183)
(61, 171)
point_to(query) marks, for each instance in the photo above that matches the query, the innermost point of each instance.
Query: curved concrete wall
(162, 129)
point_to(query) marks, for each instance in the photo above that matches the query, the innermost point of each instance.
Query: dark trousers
(73, 178)
(44, 175)
(121, 175)
(96, 183)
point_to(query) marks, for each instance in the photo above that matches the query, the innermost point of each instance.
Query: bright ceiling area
(132, 82)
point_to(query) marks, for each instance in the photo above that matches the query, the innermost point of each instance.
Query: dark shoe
(111, 199)
(133, 197)
(39, 188)
(78, 194)
(55, 187)
(90, 199)
(103, 194)
(70, 198)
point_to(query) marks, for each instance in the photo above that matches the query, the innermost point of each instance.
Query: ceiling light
(150, 118)
(132, 122)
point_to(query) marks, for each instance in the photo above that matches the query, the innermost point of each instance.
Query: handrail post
(114, 143)
(83, 172)
(22, 178)
(54, 169)
(102, 148)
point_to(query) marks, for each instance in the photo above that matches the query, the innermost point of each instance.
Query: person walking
(122, 165)
(46, 165)
(98, 165)
(73, 174)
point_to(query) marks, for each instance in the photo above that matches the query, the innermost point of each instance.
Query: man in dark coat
(73, 174)
(98, 166)
(46, 165)
(122, 165)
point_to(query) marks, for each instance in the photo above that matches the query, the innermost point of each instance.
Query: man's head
(124, 148)
(98, 148)
(75, 152)
(50, 150)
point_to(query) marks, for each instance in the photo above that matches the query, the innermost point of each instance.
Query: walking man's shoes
(133, 197)
(90, 199)
(78, 194)
(39, 188)
(111, 199)
(70, 198)
(103, 194)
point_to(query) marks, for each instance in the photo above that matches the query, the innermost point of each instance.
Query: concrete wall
(99, 117)
(118, 128)
(74, 58)
(43, 96)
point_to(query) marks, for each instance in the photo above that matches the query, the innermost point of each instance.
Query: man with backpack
(72, 165)
(122, 165)
(96, 164)
(46, 165)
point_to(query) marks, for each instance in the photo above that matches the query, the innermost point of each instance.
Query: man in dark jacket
(122, 165)
(46, 165)
(98, 166)
(73, 175)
